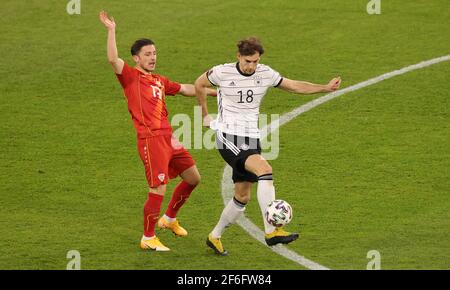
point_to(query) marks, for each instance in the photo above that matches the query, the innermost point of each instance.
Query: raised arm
(301, 87)
(113, 56)
(202, 85)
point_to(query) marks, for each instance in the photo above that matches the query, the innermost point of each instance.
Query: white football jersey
(239, 97)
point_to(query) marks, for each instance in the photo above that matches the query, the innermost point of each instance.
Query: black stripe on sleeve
(207, 76)
(279, 83)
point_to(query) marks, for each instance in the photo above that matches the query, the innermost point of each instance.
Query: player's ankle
(145, 238)
(169, 219)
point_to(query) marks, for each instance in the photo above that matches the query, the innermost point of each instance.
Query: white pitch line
(227, 186)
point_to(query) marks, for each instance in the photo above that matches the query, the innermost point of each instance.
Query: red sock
(179, 197)
(151, 213)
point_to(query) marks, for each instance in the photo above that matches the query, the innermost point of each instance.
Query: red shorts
(164, 157)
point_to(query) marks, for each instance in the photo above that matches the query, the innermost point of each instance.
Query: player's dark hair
(250, 46)
(138, 44)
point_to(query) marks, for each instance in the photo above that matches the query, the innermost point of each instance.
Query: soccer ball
(278, 213)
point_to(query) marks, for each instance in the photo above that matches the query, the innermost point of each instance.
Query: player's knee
(191, 176)
(194, 180)
(264, 169)
(242, 197)
(161, 189)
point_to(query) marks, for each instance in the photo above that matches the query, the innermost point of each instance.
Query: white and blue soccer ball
(278, 213)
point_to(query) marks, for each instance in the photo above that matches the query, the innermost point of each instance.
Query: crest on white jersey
(258, 80)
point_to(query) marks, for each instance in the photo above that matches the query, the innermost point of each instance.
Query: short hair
(138, 44)
(250, 46)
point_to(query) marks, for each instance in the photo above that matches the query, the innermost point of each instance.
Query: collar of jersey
(242, 73)
(145, 74)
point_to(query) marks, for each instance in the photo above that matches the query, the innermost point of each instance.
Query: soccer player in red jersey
(163, 156)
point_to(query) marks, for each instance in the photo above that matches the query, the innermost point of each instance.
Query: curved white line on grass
(227, 186)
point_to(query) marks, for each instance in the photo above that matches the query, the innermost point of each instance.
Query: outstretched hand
(334, 84)
(106, 20)
(207, 120)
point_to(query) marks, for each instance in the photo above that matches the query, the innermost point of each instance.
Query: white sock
(169, 219)
(147, 238)
(265, 194)
(230, 214)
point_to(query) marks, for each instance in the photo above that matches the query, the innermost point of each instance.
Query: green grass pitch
(366, 171)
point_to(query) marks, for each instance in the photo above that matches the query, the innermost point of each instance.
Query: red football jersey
(145, 95)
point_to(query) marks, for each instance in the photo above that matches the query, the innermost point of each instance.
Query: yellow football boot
(173, 226)
(153, 244)
(216, 245)
(280, 236)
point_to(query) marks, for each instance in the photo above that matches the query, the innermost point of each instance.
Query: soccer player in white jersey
(241, 87)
